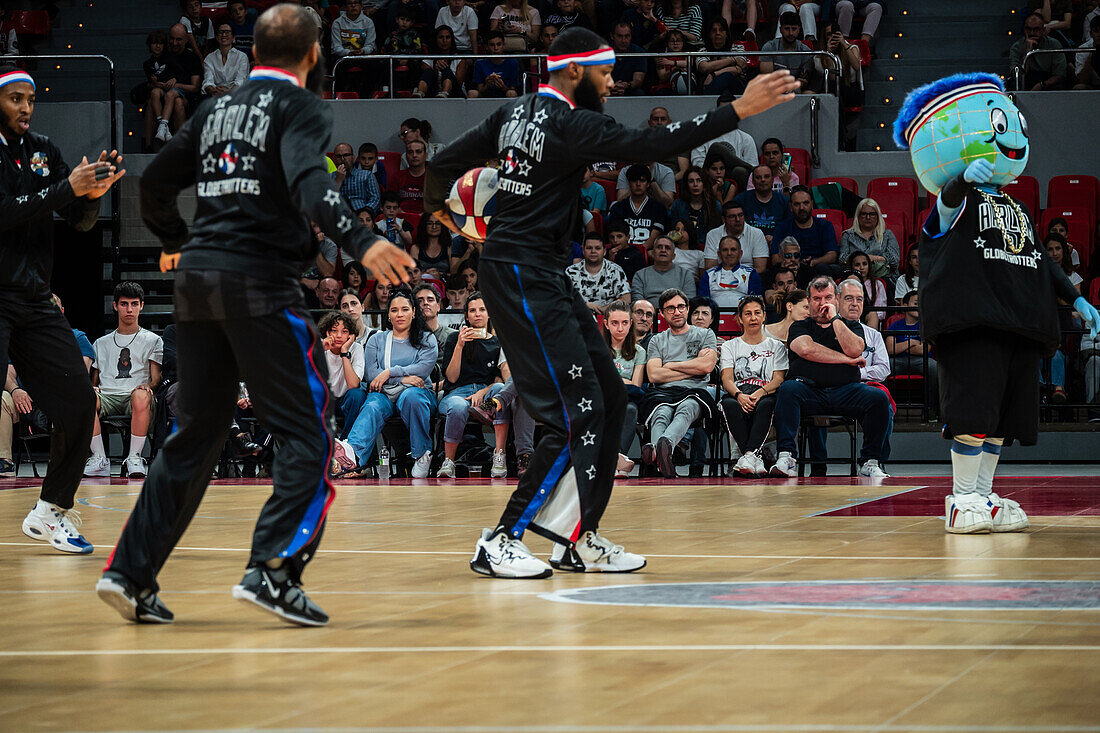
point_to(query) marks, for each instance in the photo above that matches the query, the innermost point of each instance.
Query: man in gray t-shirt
(679, 356)
(650, 282)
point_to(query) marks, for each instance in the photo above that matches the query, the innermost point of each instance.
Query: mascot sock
(966, 458)
(987, 467)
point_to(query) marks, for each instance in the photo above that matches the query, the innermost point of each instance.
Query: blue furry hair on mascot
(953, 121)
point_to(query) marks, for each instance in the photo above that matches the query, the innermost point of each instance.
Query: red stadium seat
(864, 52)
(1025, 189)
(1079, 221)
(901, 224)
(1094, 291)
(347, 95)
(1073, 191)
(35, 23)
(662, 324)
(609, 190)
(728, 324)
(597, 219)
(833, 216)
(901, 192)
(800, 163)
(413, 219)
(326, 94)
(391, 161)
(848, 183)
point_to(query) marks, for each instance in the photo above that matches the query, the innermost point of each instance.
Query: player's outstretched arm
(170, 172)
(593, 136)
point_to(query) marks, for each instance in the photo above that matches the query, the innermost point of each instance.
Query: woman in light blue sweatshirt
(399, 364)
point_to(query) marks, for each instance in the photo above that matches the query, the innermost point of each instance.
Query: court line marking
(795, 728)
(326, 551)
(599, 649)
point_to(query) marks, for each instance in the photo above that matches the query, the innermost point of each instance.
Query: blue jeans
(349, 405)
(1057, 370)
(867, 404)
(415, 405)
(455, 408)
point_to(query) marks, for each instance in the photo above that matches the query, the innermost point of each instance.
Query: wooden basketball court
(905, 628)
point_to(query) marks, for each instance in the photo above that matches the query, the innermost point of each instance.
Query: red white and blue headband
(272, 72)
(931, 107)
(599, 57)
(15, 76)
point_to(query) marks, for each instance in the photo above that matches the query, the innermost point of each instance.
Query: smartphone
(787, 161)
(480, 333)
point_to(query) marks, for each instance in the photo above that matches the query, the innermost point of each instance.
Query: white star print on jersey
(585, 405)
(589, 438)
(332, 198)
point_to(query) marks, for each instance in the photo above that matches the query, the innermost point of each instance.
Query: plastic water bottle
(384, 463)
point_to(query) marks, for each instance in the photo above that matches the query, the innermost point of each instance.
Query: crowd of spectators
(1067, 41)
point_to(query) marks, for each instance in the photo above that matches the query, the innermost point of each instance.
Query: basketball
(473, 202)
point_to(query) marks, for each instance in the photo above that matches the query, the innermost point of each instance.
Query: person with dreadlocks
(34, 184)
(560, 363)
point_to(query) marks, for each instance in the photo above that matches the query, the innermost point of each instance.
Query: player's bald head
(283, 36)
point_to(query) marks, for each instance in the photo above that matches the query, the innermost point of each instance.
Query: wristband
(345, 354)
(836, 318)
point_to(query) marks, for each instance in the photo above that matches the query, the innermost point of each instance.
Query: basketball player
(256, 155)
(34, 183)
(560, 363)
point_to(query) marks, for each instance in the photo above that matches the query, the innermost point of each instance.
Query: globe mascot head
(952, 121)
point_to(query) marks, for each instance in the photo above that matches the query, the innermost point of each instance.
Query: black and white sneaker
(131, 602)
(566, 558)
(275, 592)
(500, 556)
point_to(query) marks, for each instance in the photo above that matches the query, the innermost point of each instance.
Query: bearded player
(988, 289)
(560, 364)
(34, 184)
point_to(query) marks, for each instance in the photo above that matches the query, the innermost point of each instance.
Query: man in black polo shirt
(826, 354)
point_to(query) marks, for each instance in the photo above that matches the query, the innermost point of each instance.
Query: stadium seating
(1079, 220)
(609, 189)
(800, 162)
(848, 183)
(391, 161)
(1073, 191)
(834, 217)
(1025, 189)
(895, 193)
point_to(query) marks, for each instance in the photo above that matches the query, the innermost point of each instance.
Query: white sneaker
(758, 464)
(343, 457)
(967, 514)
(423, 463)
(50, 523)
(601, 555)
(97, 466)
(134, 467)
(785, 466)
(624, 466)
(504, 557)
(500, 465)
(871, 469)
(446, 470)
(745, 465)
(1006, 514)
(163, 133)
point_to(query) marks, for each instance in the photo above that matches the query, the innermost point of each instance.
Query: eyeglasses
(868, 213)
(674, 308)
(791, 255)
(403, 133)
(225, 33)
(643, 314)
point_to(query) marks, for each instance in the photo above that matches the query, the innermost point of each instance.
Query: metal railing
(1018, 72)
(362, 61)
(112, 97)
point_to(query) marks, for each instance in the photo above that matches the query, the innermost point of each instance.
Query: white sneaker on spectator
(624, 466)
(758, 464)
(59, 527)
(343, 457)
(1006, 514)
(967, 514)
(871, 469)
(163, 133)
(97, 466)
(446, 469)
(745, 466)
(604, 556)
(423, 463)
(134, 466)
(500, 464)
(504, 557)
(785, 466)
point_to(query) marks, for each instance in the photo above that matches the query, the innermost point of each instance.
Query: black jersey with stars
(989, 269)
(33, 185)
(256, 158)
(543, 143)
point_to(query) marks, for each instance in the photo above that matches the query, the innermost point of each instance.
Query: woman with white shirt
(226, 68)
(344, 356)
(753, 365)
(351, 305)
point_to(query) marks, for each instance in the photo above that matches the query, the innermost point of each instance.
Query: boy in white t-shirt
(462, 20)
(125, 372)
(346, 365)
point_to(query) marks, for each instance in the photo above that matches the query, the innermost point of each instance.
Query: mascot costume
(988, 290)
